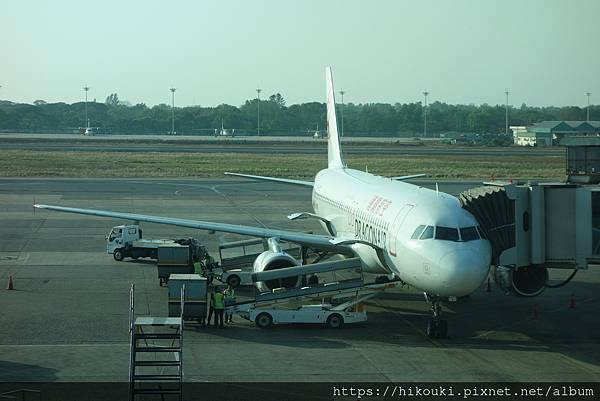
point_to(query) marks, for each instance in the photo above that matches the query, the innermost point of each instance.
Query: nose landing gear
(436, 326)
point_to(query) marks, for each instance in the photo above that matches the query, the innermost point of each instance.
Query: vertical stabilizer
(334, 154)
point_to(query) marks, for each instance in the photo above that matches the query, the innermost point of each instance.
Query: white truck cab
(121, 236)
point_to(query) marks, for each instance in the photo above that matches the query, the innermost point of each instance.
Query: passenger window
(427, 233)
(131, 231)
(417, 232)
(469, 234)
(446, 233)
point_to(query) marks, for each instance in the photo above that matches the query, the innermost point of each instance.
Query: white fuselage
(386, 214)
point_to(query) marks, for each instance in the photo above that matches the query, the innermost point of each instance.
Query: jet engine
(272, 259)
(524, 281)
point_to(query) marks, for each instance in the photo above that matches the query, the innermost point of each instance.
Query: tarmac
(253, 144)
(67, 319)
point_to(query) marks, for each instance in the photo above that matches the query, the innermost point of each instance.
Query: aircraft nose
(463, 271)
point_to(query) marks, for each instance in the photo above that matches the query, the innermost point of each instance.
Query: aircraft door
(395, 228)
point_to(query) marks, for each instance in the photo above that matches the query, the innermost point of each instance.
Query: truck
(331, 316)
(126, 241)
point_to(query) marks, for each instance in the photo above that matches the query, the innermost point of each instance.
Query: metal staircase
(156, 354)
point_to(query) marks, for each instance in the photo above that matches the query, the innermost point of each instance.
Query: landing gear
(436, 327)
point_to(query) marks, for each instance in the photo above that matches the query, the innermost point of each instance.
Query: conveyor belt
(350, 287)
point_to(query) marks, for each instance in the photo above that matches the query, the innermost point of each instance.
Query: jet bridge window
(469, 234)
(427, 233)
(446, 233)
(417, 232)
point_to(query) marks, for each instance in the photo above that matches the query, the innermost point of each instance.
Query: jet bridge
(534, 227)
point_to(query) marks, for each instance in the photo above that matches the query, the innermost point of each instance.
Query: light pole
(258, 90)
(172, 110)
(342, 93)
(425, 115)
(588, 106)
(506, 114)
(87, 122)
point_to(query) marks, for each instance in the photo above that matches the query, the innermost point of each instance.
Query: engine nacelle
(525, 281)
(272, 259)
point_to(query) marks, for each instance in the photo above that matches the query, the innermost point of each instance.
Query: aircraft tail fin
(334, 153)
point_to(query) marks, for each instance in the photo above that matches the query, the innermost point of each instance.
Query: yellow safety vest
(229, 293)
(218, 299)
(198, 268)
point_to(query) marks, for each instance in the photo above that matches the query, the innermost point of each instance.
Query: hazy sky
(545, 52)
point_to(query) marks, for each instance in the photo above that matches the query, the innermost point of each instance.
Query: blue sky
(213, 52)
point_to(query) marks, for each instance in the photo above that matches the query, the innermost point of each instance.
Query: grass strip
(30, 163)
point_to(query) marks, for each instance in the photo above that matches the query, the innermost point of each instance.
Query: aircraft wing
(407, 177)
(311, 240)
(273, 179)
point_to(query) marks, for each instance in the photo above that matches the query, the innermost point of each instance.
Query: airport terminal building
(546, 132)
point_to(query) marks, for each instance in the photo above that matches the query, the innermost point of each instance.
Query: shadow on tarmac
(13, 371)
(307, 336)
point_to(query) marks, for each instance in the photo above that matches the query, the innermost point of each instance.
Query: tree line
(277, 118)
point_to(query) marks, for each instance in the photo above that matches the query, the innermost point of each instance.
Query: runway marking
(25, 259)
(365, 355)
(232, 203)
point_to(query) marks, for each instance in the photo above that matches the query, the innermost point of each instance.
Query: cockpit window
(446, 233)
(427, 233)
(417, 232)
(469, 234)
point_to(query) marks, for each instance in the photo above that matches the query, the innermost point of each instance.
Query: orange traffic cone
(535, 311)
(10, 285)
(572, 301)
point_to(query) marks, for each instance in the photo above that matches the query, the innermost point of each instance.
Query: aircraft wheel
(234, 280)
(118, 254)
(264, 320)
(335, 321)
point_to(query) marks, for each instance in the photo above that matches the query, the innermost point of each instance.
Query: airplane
(420, 236)
(316, 134)
(224, 132)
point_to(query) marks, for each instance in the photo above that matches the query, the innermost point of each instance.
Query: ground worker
(211, 304)
(229, 297)
(198, 267)
(209, 261)
(219, 306)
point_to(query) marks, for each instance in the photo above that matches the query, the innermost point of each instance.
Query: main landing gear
(436, 326)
